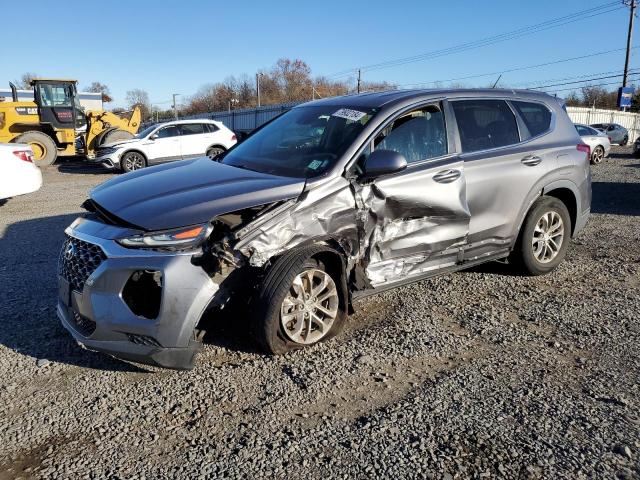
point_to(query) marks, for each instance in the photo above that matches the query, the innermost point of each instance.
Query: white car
(18, 173)
(167, 142)
(598, 141)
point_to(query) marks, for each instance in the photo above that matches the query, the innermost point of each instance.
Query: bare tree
(97, 87)
(140, 98)
(25, 80)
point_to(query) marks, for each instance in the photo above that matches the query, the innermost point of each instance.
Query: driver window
(171, 131)
(417, 135)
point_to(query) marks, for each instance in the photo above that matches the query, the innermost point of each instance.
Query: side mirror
(384, 162)
(153, 137)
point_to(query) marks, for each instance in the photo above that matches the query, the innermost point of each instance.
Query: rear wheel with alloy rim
(624, 141)
(597, 155)
(301, 302)
(544, 238)
(131, 161)
(213, 152)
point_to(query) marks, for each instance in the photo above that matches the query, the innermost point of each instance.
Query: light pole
(258, 75)
(175, 109)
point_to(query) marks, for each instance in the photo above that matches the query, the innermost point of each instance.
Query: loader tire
(115, 136)
(44, 148)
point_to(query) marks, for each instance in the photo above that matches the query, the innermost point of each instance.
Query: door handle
(531, 160)
(447, 176)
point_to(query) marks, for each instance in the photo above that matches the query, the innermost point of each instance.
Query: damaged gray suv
(334, 200)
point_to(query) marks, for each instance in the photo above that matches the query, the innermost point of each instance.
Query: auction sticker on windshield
(349, 114)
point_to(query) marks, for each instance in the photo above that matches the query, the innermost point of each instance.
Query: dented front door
(415, 221)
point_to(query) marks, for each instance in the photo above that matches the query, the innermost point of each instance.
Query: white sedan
(599, 142)
(18, 173)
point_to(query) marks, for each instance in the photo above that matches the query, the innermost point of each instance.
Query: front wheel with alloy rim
(544, 237)
(597, 155)
(45, 151)
(131, 161)
(624, 141)
(300, 303)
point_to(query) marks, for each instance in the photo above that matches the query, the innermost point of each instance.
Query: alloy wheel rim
(597, 155)
(310, 308)
(134, 162)
(548, 236)
(214, 152)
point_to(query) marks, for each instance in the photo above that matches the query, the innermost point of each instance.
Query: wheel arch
(137, 150)
(570, 199)
(213, 145)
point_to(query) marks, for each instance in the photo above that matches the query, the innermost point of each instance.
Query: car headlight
(177, 239)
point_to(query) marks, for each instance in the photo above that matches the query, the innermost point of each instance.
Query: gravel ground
(474, 374)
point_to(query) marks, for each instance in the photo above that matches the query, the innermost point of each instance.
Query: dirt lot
(474, 374)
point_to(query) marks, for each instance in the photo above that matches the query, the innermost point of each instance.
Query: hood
(189, 192)
(117, 143)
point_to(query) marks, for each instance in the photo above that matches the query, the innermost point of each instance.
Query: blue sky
(166, 47)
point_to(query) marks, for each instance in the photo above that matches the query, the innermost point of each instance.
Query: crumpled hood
(189, 192)
(118, 143)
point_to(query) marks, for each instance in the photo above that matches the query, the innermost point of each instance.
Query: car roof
(389, 97)
(192, 120)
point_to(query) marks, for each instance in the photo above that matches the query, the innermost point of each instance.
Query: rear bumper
(100, 318)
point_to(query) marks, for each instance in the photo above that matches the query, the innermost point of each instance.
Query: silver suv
(334, 200)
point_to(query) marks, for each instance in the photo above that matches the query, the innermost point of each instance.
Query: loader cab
(58, 103)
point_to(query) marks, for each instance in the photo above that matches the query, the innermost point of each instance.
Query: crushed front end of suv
(334, 200)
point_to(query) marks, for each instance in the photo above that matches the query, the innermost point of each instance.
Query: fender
(538, 192)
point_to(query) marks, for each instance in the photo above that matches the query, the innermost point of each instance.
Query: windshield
(304, 142)
(145, 132)
(55, 95)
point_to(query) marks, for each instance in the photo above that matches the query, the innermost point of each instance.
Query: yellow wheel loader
(55, 124)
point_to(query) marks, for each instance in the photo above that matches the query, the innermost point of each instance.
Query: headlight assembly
(183, 238)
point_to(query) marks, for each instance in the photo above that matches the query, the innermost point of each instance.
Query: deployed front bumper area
(135, 304)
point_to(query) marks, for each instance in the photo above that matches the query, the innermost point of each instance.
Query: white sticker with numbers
(354, 115)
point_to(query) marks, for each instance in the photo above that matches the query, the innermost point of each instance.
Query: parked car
(597, 140)
(334, 200)
(19, 174)
(167, 142)
(636, 148)
(617, 133)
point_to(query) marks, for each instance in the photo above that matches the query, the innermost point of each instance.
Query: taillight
(582, 147)
(25, 155)
(233, 137)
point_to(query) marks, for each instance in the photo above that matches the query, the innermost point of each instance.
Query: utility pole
(175, 109)
(258, 86)
(632, 4)
(359, 79)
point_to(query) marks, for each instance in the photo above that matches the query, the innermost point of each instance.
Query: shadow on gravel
(80, 167)
(28, 294)
(616, 198)
(229, 329)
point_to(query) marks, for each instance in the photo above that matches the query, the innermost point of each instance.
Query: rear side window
(210, 127)
(583, 131)
(485, 124)
(536, 117)
(191, 128)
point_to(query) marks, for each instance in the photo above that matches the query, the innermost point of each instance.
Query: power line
(553, 23)
(579, 81)
(589, 85)
(517, 69)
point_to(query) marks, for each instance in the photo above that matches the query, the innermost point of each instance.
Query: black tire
(624, 141)
(44, 148)
(597, 155)
(266, 307)
(132, 161)
(213, 152)
(115, 136)
(524, 256)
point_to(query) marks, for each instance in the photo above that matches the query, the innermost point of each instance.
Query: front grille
(77, 261)
(82, 324)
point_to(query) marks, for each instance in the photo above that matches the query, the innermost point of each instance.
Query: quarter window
(583, 131)
(536, 117)
(210, 127)
(417, 135)
(485, 124)
(191, 128)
